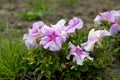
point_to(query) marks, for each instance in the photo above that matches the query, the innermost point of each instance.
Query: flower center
(53, 37)
(78, 51)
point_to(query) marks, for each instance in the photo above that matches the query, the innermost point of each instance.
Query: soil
(85, 9)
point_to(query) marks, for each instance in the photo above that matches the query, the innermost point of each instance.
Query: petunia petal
(75, 23)
(88, 46)
(53, 46)
(114, 29)
(38, 24)
(71, 45)
(28, 45)
(25, 36)
(92, 36)
(101, 33)
(79, 62)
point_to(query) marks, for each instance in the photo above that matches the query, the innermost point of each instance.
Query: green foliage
(38, 9)
(115, 48)
(105, 23)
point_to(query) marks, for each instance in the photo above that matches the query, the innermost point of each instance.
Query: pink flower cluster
(78, 52)
(112, 17)
(52, 37)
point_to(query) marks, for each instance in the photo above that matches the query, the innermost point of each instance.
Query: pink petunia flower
(74, 23)
(78, 54)
(53, 40)
(54, 37)
(94, 37)
(112, 17)
(33, 35)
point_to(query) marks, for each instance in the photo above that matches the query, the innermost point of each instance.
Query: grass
(12, 53)
(11, 56)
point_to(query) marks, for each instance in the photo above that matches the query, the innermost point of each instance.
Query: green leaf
(63, 65)
(39, 76)
(105, 23)
(84, 68)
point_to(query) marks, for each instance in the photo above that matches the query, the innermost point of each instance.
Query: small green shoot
(38, 9)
